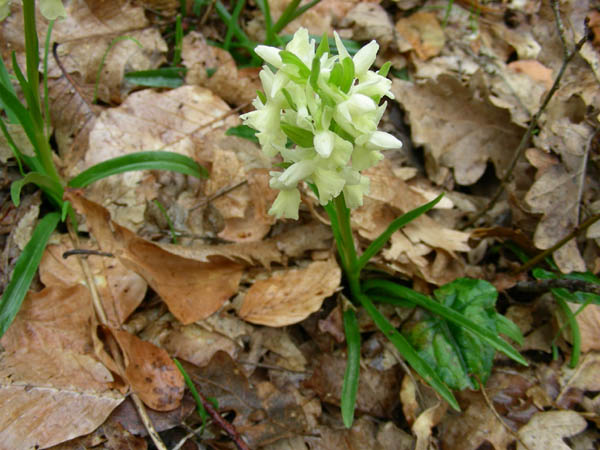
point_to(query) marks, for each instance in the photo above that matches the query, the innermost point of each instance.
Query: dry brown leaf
(589, 327)
(554, 194)
(193, 343)
(458, 131)
(279, 341)
(575, 382)
(424, 424)
(235, 86)
(289, 296)
(546, 430)
(58, 317)
(47, 388)
(370, 21)
(151, 372)
(377, 390)
(422, 33)
(192, 290)
(148, 120)
(121, 290)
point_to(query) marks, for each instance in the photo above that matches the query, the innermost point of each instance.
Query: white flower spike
(319, 113)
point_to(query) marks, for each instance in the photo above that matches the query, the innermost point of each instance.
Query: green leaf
(460, 357)
(157, 160)
(347, 74)
(43, 181)
(390, 289)
(562, 300)
(323, 47)
(289, 99)
(314, 73)
(166, 77)
(243, 131)
(352, 372)
(25, 269)
(299, 136)
(5, 81)
(290, 58)
(421, 366)
(398, 223)
(384, 70)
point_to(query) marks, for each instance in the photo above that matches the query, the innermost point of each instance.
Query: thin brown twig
(541, 286)
(225, 425)
(540, 257)
(529, 132)
(85, 252)
(219, 193)
(70, 79)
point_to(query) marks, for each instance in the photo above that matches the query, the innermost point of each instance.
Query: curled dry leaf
(291, 295)
(546, 430)
(420, 32)
(151, 372)
(191, 289)
(46, 389)
(48, 373)
(458, 131)
(121, 290)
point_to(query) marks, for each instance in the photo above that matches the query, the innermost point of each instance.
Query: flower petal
(269, 54)
(365, 58)
(323, 143)
(286, 204)
(329, 183)
(384, 140)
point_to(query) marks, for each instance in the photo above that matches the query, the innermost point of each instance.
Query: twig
(219, 193)
(85, 252)
(70, 79)
(498, 416)
(540, 257)
(226, 426)
(541, 286)
(583, 171)
(532, 126)
(113, 346)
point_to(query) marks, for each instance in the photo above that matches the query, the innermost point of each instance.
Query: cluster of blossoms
(327, 107)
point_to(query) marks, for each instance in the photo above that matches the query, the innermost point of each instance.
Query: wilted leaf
(46, 389)
(191, 289)
(289, 296)
(458, 131)
(546, 430)
(151, 372)
(377, 390)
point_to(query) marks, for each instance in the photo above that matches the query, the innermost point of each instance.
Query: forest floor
(251, 305)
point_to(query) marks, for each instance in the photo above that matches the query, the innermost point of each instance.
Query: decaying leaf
(547, 429)
(151, 372)
(191, 289)
(458, 131)
(289, 296)
(47, 388)
(421, 33)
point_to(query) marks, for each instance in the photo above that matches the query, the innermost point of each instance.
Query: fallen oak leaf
(547, 429)
(151, 372)
(192, 290)
(289, 296)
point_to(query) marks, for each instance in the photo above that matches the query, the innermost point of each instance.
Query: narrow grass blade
(226, 18)
(239, 5)
(166, 77)
(5, 81)
(25, 269)
(351, 375)
(199, 405)
(292, 12)
(408, 352)
(572, 322)
(178, 39)
(158, 160)
(31, 97)
(398, 223)
(390, 289)
(163, 211)
(243, 131)
(43, 181)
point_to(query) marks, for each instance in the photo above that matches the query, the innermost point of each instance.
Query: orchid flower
(319, 112)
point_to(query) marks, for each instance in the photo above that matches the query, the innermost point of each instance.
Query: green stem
(32, 51)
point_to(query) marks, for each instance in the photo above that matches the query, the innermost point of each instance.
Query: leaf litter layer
(478, 73)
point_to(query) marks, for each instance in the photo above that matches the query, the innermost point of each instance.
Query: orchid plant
(319, 114)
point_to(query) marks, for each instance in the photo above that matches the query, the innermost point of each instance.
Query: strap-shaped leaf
(352, 372)
(157, 160)
(43, 181)
(387, 288)
(347, 75)
(290, 58)
(25, 269)
(13, 106)
(398, 223)
(408, 351)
